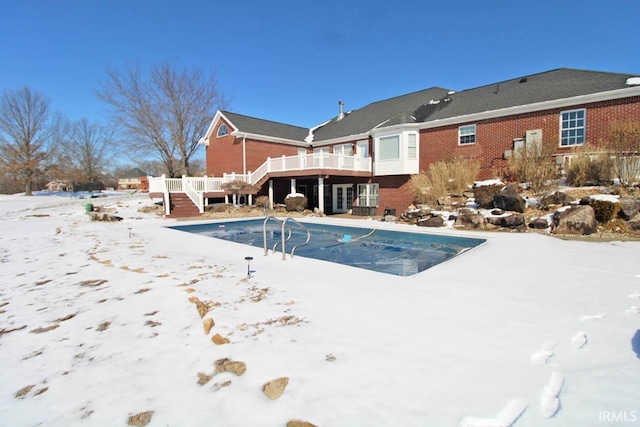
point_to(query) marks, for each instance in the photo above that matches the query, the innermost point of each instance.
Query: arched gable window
(222, 130)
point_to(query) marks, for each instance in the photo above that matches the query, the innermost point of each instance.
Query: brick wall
(224, 154)
(495, 136)
(395, 193)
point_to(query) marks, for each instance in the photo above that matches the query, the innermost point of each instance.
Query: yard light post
(248, 258)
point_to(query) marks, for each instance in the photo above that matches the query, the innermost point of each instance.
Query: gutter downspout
(244, 155)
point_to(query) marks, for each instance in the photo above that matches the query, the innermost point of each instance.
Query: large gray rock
(557, 198)
(434, 221)
(628, 208)
(508, 199)
(511, 221)
(539, 224)
(470, 221)
(580, 220)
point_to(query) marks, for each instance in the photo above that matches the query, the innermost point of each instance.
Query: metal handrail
(302, 244)
(275, 245)
(285, 238)
(264, 232)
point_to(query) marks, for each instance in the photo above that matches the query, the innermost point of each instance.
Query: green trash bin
(89, 208)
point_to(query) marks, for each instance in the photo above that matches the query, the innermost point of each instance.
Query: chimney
(340, 110)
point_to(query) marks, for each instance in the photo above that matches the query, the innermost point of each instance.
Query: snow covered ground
(97, 324)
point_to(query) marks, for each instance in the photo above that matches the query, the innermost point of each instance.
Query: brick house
(362, 160)
(134, 179)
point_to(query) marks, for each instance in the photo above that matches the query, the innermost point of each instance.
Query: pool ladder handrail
(285, 238)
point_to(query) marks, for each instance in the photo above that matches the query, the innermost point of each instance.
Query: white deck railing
(195, 187)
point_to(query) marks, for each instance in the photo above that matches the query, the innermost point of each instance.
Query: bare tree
(29, 135)
(163, 114)
(89, 149)
(624, 143)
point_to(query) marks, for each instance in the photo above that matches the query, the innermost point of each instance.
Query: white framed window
(467, 134)
(412, 146)
(368, 195)
(222, 130)
(389, 148)
(572, 127)
(363, 149)
(344, 149)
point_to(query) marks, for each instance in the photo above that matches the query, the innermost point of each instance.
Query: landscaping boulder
(485, 194)
(434, 221)
(586, 200)
(539, 224)
(418, 212)
(580, 220)
(508, 199)
(511, 221)
(471, 221)
(556, 198)
(628, 208)
(634, 224)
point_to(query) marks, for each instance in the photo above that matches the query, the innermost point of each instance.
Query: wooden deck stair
(182, 206)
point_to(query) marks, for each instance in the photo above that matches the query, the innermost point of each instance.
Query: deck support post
(321, 193)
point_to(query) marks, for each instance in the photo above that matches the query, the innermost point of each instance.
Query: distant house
(135, 179)
(57, 185)
(362, 160)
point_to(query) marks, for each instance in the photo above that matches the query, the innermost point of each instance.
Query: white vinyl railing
(195, 196)
(195, 187)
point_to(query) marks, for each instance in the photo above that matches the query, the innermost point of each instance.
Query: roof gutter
(528, 108)
(269, 138)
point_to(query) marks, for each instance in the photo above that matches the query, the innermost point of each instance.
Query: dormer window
(223, 130)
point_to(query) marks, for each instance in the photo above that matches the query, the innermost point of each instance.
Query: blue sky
(292, 61)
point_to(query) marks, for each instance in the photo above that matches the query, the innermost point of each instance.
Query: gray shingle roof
(423, 106)
(547, 86)
(266, 127)
(134, 173)
(386, 113)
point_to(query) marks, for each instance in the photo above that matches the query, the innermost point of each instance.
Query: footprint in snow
(593, 317)
(505, 418)
(546, 352)
(550, 397)
(633, 310)
(579, 340)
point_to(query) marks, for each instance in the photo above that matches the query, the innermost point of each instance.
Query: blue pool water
(392, 252)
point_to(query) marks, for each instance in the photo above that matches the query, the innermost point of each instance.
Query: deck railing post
(165, 192)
